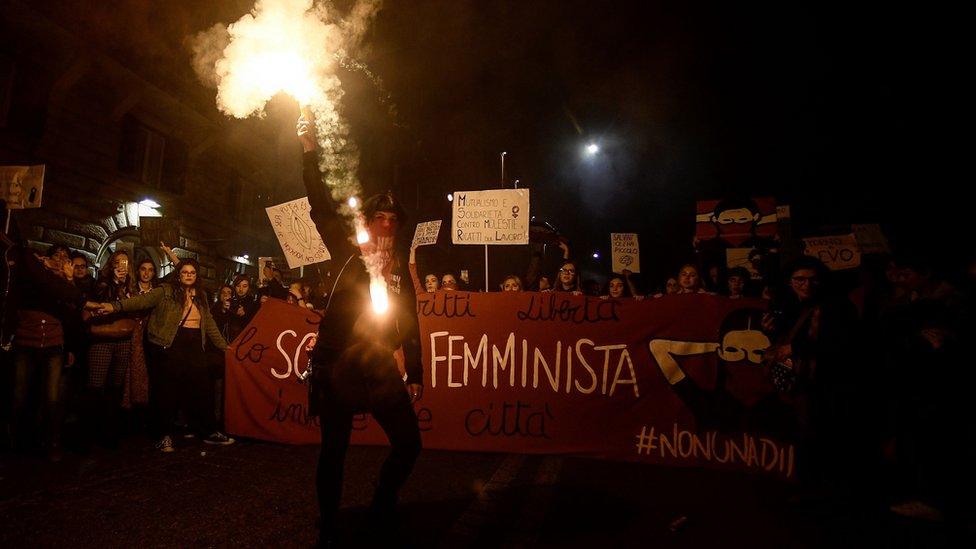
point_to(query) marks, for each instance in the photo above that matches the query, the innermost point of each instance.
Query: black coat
(349, 320)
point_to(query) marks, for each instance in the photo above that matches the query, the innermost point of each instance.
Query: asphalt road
(257, 494)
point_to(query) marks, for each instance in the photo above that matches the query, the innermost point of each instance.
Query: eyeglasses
(568, 271)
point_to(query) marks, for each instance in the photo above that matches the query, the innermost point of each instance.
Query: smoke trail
(291, 46)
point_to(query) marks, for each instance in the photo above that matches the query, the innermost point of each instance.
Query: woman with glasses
(814, 337)
(179, 325)
(567, 279)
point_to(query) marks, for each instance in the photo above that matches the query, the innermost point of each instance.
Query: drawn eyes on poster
(737, 223)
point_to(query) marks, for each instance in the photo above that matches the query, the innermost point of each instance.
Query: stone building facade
(111, 137)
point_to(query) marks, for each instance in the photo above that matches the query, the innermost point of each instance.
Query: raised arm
(335, 231)
(418, 288)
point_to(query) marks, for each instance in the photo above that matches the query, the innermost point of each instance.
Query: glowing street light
(592, 149)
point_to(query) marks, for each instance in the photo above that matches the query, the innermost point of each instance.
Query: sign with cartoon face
(494, 217)
(22, 186)
(736, 222)
(625, 252)
(300, 241)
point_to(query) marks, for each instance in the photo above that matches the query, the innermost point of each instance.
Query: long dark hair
(557, 285)
(179, 291)
(106, 277)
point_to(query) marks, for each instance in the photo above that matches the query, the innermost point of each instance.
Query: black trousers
(179, 378)
(362, 381)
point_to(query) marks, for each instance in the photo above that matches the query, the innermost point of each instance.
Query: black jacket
(349, 318)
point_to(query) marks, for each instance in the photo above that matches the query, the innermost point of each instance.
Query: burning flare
(296, 47)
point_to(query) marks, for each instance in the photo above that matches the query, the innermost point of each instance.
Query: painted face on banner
(741, 354)
(735, 221)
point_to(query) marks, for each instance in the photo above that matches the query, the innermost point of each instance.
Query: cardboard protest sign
(296, 233)
(748, 258)
(625, 252)
(426, 233)
(870, 239)
(22, 186)
(648, 381)
(836, 252)
(737, 223)
(154, 230)
(499, 216)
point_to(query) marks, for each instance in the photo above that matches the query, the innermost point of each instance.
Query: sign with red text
(499, 216)
(675, 380)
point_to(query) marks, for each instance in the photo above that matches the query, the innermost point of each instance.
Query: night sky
(830, 108)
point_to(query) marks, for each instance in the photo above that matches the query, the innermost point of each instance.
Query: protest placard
(426, 233)
(499, 216)
(156, 230)
(22, 186)
(296, 233)
(870, 239)
(625, 252)
(836, 252)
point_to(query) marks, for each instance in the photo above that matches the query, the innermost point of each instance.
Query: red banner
(673, 380)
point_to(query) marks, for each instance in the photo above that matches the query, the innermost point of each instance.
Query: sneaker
(165, 445)
(219, 439)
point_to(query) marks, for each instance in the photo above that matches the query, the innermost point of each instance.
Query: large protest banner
(673, 380)
(300, 241)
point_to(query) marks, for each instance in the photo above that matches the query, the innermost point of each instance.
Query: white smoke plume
(291, 46)
(296, 47)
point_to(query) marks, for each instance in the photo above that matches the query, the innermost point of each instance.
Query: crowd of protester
(872, 358)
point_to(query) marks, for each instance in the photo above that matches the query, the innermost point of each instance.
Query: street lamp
(592, 149)
(503, 167)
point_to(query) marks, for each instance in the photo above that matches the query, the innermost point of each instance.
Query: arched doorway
(129, 239)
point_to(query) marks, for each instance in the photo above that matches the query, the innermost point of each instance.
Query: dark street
(256, 494)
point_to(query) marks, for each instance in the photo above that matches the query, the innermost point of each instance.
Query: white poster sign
(499, 216)
(22, 186)
(836, 252)
(296, 233)
(426, 233)
(625, 252)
